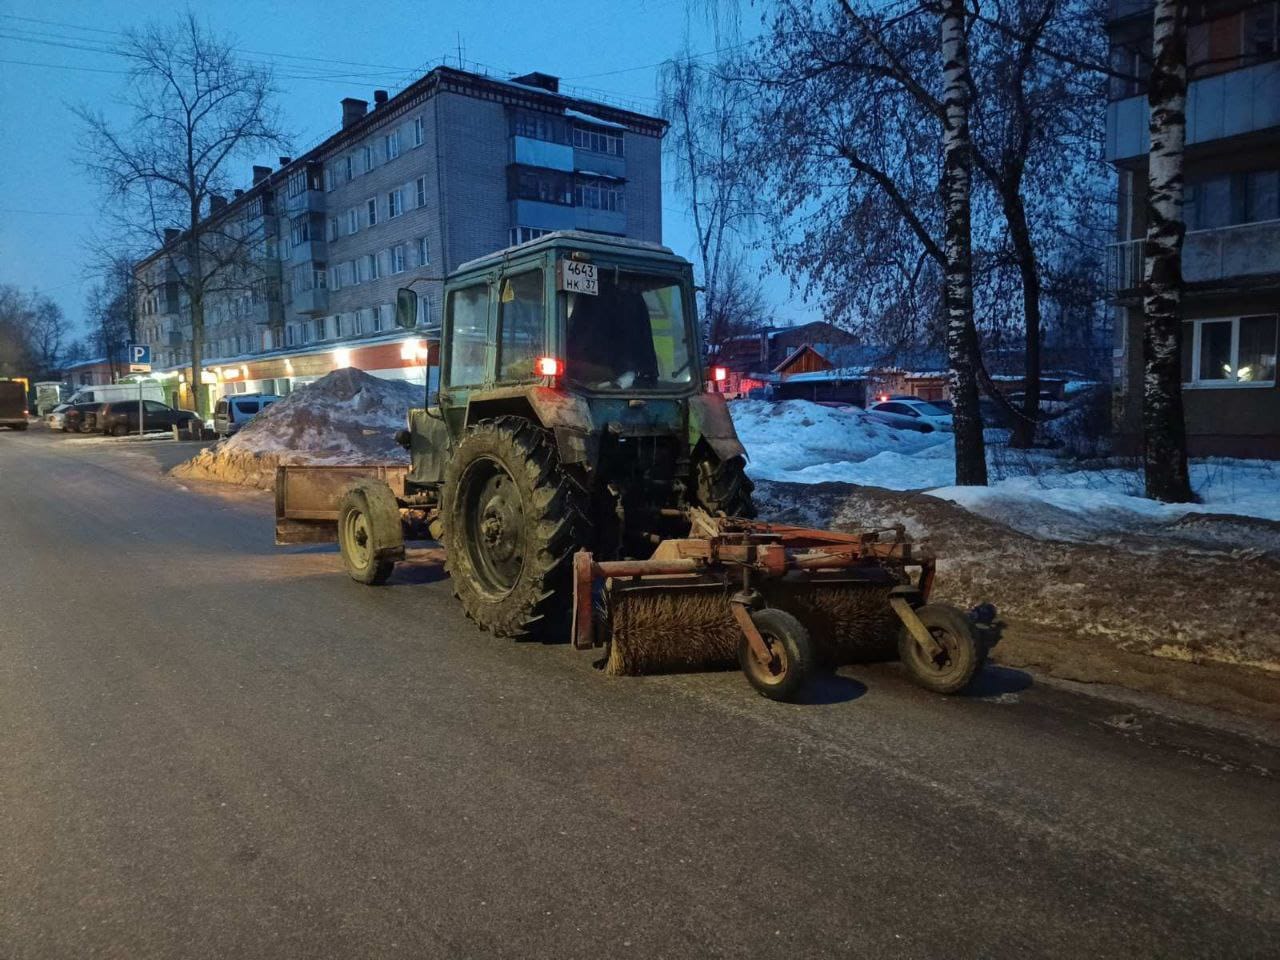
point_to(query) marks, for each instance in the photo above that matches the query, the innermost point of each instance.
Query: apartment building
(455, 166)
(1231, 254)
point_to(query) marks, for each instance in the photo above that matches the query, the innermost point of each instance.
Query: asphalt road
(210, 747)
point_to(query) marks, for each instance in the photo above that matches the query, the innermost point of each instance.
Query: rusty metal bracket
(915, 626)
(741, 604)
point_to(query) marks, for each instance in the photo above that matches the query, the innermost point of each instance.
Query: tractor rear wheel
(512, 521)
(722, 486)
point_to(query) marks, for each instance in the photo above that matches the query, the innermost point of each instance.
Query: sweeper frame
(767, 582)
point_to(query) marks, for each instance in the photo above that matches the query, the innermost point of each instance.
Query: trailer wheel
(722, 486)
(793, 658)
(512, 521)
(962, 657)
(358, 541)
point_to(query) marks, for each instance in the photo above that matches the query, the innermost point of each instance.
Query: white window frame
(391, 145)
(417, 131)
(353, 221)
(395, 203)
(398, 259)
(420, 191)
(372, 264)
(368, 154)
(335, 228)
(424, 251)
(371, 211)
(1196, 325)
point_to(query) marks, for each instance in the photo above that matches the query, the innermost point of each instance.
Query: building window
(1228, 199)
(424, 311)
(335, 277)
(538, 126)
(525, 234)
(298, 183)
(421, 185)
(321, 323)
(1229, 351)
(330, 179)
(599, 195)
(350, 164)
(424, 252)
(1262, 31)
(417, 131)
(372, 208)
(391, 145)
(367, 154)
(300, 229)
(288, 335)
(353, 220)
(598, 141)
(549, 186)
(333, 228)
(371, 266)
(395, 204)
(398, 259)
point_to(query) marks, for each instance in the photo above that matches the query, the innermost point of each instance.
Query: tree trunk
(1164, 431)
(962, 337)
(195, 266)
(1024, 427)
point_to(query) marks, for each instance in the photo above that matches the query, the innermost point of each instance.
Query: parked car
(121, 417)
(233, 412)
(81, 417)
(56, 418)
(911, 415)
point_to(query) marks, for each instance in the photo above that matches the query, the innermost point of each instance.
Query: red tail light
(550, 367)
(719, 374)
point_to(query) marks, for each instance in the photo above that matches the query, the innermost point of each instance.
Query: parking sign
(139, 357)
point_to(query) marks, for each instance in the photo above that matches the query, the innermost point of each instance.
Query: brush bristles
(657, 630)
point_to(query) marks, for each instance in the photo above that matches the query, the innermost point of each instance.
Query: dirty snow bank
(345, 417)
(1039, 492)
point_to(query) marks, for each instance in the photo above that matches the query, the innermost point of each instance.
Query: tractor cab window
(522, 325)
(469, 334)
(632, 334)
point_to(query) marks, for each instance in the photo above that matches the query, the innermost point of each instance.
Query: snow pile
(1066, 504)
(806, 442)
(345, 417)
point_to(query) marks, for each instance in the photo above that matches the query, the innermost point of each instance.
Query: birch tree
(957, 188)
(196, 110)
(1164, 431)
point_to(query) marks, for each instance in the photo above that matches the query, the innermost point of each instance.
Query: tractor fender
(566, 415)
(709, 420)
(384, 518)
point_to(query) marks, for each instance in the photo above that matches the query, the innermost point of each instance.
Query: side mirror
(406, 308)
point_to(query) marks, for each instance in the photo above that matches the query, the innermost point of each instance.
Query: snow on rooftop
(826, 376)
(578, 115)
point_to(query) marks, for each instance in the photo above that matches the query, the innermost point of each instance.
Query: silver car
(911, 415)
(234, 411)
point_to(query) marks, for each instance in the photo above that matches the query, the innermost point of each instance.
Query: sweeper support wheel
(775, 652)
(369, 532)
(948, 664)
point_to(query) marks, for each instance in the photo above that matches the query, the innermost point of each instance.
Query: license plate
(578, 277)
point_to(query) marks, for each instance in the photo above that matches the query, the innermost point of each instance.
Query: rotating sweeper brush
(780, 600)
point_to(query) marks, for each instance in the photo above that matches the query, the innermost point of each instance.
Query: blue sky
(56, 54)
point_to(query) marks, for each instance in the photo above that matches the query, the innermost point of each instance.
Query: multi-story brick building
(455, 166)
(1231, 254)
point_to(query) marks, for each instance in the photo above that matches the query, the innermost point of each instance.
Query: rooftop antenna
(460, 49)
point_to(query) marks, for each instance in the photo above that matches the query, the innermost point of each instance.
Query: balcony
(541, 153)
(313, 249)
(313, 296)
(1208, 256)
(1226, 105)
(311, 201)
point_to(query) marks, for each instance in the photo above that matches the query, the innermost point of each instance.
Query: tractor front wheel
(512, 521)
(723, 487)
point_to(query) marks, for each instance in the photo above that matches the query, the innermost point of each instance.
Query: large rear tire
(722, 486)
(512, 521)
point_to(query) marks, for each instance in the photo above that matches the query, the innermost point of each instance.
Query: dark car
(81, 417)
(121, 417)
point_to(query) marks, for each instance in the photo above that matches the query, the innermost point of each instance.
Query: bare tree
(196, 110)
(708, 115)
(1164, 430)
(864, 124)
(31, 330)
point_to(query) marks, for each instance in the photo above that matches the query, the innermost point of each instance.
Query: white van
(117, 392)
(234, 411)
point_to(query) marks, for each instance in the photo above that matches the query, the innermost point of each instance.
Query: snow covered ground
(1036, 492)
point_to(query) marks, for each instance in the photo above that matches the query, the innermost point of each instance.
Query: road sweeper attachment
(780, 600)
